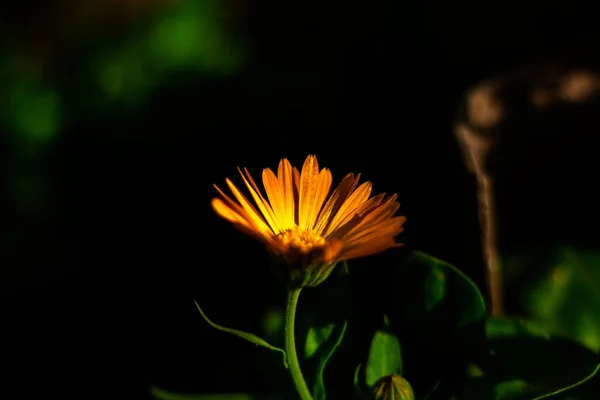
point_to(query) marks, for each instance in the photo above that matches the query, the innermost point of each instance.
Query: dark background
(98, 286)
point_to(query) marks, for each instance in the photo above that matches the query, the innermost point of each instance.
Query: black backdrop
(99, 288)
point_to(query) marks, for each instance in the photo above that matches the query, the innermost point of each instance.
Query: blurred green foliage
(529, 362)
(187, 36)
(35, 112)
(559, 290)
(191, 37)
(567, 297)
(107, 73)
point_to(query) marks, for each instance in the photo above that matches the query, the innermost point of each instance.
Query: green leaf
(435, 298)
(358, 381)
(322, 342)
(438, 314)
(530, 363)
(435, 294)
(384, 355)
(446, 283)
(566, 298)
(244, 335)
(321, 326)
(317, 336)
(160, 394)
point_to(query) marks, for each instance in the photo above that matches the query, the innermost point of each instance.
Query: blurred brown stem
(487, 221)
(475, 150)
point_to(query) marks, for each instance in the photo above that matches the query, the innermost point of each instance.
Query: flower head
(306, 226)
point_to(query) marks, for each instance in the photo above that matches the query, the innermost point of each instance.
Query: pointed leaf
(438, 314)
(322, 322)
(359, 380)
(437, 285)
(322, 342)
(245, 335)
(384, 355)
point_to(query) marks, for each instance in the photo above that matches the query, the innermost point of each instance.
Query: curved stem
(290, 344)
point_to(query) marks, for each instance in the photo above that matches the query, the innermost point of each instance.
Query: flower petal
(323, 187)
(274, 194)
(336, 200)
(285, 177)
(238, 220)
(358, 197)
(389, 228)
(371, 216)
(373, 246)
(261, 202)
(253, 215)
(309, 181)
(332, 250)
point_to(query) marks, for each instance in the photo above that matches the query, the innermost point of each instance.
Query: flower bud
(392, 387)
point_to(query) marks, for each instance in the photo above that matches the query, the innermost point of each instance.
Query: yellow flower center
(301, 240)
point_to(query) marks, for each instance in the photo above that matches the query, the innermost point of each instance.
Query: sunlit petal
(274, 194)
(360, 195)
(239, 221)
(254, 215)
(335, 202)
(286, 183)
(309, 181)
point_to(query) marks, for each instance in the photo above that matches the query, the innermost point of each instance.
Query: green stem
(290, 344)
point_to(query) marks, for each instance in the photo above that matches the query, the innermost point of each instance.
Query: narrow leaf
(432, 391)
(245, 335)
(326, 352)
(160, 394)
(573, 386)
(358, 382)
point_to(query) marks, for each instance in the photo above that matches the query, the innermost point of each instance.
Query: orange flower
(308, 228)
